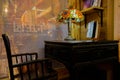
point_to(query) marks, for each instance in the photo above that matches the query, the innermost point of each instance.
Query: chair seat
(48, 76)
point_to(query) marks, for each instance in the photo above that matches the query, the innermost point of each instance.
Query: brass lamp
(69, 16)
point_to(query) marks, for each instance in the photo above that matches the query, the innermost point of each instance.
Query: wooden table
(76, 55)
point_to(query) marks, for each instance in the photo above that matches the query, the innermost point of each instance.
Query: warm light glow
(6, 10)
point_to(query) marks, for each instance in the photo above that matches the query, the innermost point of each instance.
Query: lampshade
(70, 13)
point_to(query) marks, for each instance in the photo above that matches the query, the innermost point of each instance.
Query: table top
(81, 42)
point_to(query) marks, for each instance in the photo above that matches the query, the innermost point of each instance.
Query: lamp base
(69, 38)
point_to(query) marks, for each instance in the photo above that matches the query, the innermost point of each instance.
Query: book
(99, 3)
(87, 3)
(97, 30)
(92, 29)
(96, 3)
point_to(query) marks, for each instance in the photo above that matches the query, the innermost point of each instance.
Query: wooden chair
(27, 66)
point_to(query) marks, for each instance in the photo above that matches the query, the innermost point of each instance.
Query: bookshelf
(94, 9)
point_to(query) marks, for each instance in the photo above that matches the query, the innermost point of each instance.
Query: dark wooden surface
(76, 55)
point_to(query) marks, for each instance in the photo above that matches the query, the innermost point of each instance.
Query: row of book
(91, 3)
(92, 30)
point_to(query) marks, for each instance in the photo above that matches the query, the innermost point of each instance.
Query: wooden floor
(4, 77)
(62, 74)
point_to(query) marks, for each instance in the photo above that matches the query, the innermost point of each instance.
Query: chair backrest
(8, 51)
(17, 57)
